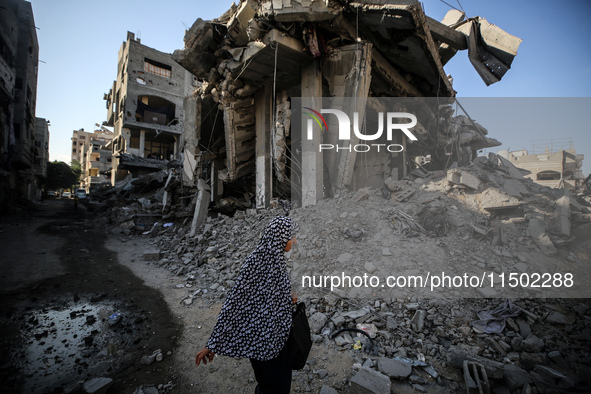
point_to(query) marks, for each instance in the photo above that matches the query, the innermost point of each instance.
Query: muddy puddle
(57, 346)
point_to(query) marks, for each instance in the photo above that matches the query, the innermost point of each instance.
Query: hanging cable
(449, 5)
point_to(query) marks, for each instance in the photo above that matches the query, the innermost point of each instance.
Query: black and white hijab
(256, 317)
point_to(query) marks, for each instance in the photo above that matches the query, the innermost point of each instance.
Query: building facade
(255, 68)
(41, 147)
(96, 164)
(553, 168)
(22, 143)
(145, 106)
(80, 138)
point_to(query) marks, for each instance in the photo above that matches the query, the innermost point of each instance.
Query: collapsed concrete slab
(260, 54)
(459, 177)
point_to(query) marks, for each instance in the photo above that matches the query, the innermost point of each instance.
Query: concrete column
(217, 186)
(142, 142)
(264, 168)
(351, 77)
(312, 164)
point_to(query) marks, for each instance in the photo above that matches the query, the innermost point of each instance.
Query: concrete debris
(369, 381)
(437, 200)
(475, 378)
(395, 369)
(97, 385)
(463, 178)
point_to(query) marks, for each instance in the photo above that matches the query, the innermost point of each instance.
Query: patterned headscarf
(256, 317)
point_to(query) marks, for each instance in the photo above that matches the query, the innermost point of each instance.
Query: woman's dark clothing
(274, 376)
(255, 319)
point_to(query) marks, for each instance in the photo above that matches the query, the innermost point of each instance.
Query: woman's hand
(294, 297)
(204, 355)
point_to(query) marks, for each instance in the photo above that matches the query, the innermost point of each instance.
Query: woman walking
(256, 318)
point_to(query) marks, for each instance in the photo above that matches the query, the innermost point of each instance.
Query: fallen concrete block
(493, 199)
(515, 378)
(317, 321)
(562, 214)
(514, 188)
(536, 229)
(509, 168)
(456, 356)
(392, 184)
(395, 369)
(368, 381)
(151, 255)
(327, 390)
(475, 378)
(418, 320)
(361, 194)
(460, 177)
(97, 385)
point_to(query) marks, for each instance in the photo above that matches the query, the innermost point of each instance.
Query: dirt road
(64, 282)
(71, 312)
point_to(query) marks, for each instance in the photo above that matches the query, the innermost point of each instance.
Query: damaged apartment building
(254, 59)
(24, 138)
(145, 109)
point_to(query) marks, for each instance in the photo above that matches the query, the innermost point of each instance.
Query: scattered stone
(360, 195)
(391, 323)
(532, 344)
(327, 390)
(343, 258)
(418, 320)
(317, 321)
(149, 389)
(558, 359)
(370, 267)
(556, 318)
(148, 360)
(356, 314)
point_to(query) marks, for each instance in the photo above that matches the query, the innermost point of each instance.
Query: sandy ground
(224, 374)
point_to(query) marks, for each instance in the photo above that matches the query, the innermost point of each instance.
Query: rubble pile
(481, 217)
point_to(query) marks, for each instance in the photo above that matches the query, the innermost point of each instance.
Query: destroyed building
(558, 168)
(95, 160)
(81, 137)
(145, 108)
(23, 142)
(259, 55)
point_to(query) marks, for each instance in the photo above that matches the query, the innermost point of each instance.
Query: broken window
(158, 146)
(154, 110)
(548, 176)
(134, 140)
(157, 68)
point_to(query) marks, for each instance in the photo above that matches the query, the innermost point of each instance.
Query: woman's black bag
(301, 343)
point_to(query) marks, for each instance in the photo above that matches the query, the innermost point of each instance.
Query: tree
(61, 176)
(77, 168)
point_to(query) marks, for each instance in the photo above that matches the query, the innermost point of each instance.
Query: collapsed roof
(259, 54)
(415, 45)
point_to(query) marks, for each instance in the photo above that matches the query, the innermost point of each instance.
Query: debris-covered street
(168, 287)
